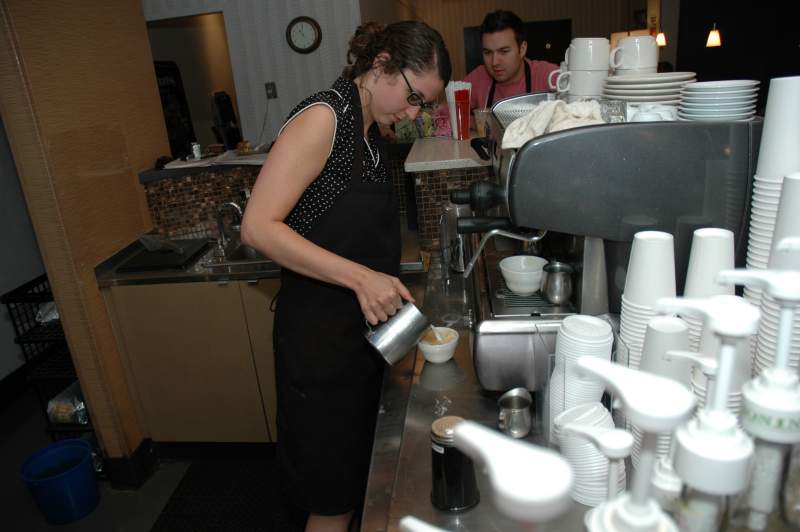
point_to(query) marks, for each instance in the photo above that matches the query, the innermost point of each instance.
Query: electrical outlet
(272, 92)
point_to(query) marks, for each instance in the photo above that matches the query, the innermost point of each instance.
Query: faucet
(222, 240)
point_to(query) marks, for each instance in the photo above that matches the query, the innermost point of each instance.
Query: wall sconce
(714, 39)
(661, 39)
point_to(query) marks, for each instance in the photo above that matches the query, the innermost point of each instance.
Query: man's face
(502, 56)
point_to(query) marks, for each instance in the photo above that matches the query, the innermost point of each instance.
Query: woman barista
(323, 207)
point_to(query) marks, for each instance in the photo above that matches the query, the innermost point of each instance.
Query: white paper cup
(787, 223)
(712, 251)
(666, 333)
(651, 268)
(778, 154)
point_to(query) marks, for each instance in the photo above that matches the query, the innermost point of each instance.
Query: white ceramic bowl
(523, 273)
(442, 352)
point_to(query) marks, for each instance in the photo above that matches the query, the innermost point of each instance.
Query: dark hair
(410, 44)
(502, 20)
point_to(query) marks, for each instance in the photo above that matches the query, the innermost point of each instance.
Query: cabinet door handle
(222, 283)
(252, 281)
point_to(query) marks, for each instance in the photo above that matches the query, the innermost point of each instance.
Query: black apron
(490, 97)
(328, 376)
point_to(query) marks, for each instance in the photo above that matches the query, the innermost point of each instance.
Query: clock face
(303, 34)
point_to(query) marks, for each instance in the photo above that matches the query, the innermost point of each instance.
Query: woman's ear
(380, 60)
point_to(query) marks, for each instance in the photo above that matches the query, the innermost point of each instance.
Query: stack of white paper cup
(650, 276)
(709, 346)
(664, 333)
(712, 251)
(589, 465)
(778, 156)
(787, 224)
(634, 55)
(587, 63)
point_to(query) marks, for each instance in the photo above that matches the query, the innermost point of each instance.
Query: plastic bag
(68, 406)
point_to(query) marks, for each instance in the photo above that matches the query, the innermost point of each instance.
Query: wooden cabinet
(257, 298)
(200, 358)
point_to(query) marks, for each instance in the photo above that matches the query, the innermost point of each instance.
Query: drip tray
(507, 304)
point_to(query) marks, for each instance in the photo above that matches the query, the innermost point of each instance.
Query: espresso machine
(579, 196)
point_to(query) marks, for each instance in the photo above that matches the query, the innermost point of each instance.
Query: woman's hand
(380, 295)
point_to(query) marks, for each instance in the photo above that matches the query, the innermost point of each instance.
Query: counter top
(198, 271)
(416, 393)
(442, 154)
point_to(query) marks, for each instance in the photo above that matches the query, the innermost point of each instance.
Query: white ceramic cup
(778, 154)
(651, 268)
(552, 77)
(712, 251)
(640, 52)
(582, 82)
(588, 53)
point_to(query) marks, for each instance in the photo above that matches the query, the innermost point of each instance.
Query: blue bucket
(62, 480)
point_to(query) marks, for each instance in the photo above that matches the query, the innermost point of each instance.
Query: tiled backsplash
(186, 206)
(433, 188)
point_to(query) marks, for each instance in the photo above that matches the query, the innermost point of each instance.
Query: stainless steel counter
(415, 394)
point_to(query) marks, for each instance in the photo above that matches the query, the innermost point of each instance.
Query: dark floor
(23, 432)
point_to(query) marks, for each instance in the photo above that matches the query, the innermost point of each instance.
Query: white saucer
(641, 92)
(650, 78)
(724, 85)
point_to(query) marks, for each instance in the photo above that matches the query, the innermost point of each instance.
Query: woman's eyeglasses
(414, 98)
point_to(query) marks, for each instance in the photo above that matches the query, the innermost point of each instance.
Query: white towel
(551, 116)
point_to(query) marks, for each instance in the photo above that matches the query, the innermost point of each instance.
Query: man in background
(505, 71)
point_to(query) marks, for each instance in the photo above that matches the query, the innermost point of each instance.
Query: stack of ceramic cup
(650, 276)
(578, 336)
(636, 54)
(589, 465)
(712, 251)
(787, 224)
(716, 101)
(664, 333)
(587, 63)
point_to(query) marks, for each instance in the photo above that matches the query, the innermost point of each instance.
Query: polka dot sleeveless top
(335, 176)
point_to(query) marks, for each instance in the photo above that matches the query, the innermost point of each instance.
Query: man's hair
(502, 20)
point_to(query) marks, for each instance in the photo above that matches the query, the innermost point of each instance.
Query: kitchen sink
(240, 258)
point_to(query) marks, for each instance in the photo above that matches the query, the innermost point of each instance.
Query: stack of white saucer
(718, 101)
(578, 336)
(650, 276)
(589, 465)
(663, 88)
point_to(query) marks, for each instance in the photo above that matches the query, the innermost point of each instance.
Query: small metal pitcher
(515, 412)
(557, 284)
(395, 337)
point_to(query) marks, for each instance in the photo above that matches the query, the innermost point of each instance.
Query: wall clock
(303, 35)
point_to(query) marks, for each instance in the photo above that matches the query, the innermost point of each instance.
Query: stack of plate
(731, 100)
(663, 87)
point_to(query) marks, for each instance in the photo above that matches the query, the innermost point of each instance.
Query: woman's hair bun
(364, 40)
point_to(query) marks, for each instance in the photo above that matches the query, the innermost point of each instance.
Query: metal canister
(454, 484)
(196, 151)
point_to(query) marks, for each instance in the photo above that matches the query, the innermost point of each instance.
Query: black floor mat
(228, 495)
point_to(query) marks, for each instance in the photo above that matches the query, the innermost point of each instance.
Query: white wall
(21, 261)
(256, 32)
